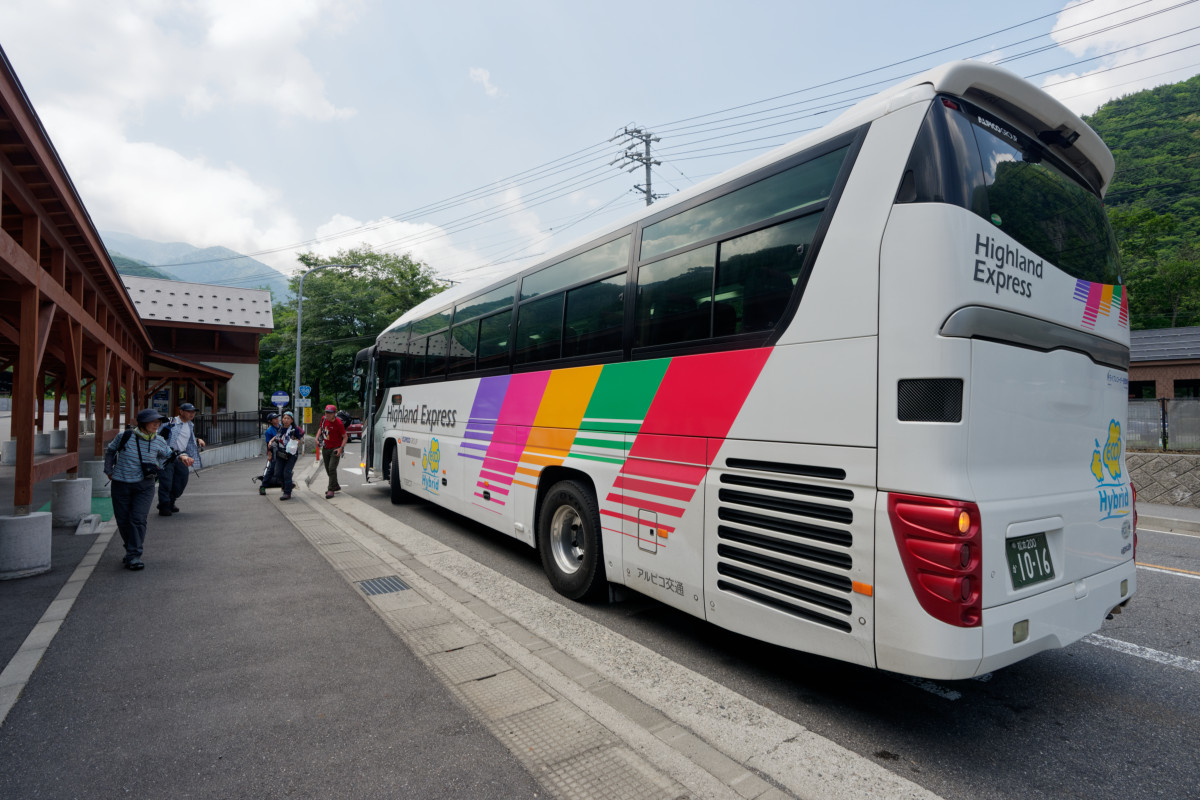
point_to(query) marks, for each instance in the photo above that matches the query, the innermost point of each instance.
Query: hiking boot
(164, 511)
(285, 497)
(262, 490)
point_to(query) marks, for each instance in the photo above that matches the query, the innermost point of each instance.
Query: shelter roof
(1165, 344)
(200, 303)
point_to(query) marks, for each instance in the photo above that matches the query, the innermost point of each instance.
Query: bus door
(661, 486)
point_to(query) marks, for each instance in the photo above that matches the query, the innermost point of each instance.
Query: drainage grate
(384, 585)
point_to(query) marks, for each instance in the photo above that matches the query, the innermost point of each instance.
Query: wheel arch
(553, 475)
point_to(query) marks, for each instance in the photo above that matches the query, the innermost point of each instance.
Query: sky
(471, 134)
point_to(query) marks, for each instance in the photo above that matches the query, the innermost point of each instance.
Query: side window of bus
(594, 318)
(674, 298)
(464, 339)
(416, 357)
(493, 340)
(435, 355)
(756, 274)
(539, 329)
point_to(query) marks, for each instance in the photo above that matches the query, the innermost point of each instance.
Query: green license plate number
(1029, 560)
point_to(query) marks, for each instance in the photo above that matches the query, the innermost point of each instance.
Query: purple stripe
(468, 455)
(474, 446)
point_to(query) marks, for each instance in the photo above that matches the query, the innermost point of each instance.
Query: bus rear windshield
(971, 159)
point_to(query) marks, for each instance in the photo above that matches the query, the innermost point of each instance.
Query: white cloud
(1144, 62)
(484, 79)
(108, 62)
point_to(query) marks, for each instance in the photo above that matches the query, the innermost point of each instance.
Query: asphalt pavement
(325, 649)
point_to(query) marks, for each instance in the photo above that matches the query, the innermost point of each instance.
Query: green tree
(344, 310)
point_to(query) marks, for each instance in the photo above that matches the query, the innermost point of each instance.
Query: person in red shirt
(331, 443)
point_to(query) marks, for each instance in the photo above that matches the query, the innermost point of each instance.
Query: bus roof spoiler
(1041, 115)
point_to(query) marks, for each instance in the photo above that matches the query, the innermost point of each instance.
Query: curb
(1168, 524)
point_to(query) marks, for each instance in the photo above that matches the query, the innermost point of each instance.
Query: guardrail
(228, 427)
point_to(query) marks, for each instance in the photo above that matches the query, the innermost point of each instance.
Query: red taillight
(1134, 488)
(939, 543)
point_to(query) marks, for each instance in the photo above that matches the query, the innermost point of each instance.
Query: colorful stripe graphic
(1098, 300)
(654, 418)
(693, 410)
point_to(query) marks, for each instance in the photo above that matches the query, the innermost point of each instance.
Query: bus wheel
(398, 493)
(568, 534)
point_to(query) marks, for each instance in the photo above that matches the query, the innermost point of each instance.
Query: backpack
(344, 416)
(164, 431)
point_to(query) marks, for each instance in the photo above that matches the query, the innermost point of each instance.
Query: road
(1116, 715)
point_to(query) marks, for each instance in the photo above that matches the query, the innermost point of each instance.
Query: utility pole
(631, 159)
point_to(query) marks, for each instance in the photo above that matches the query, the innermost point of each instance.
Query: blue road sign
(305, 391)
(280, 399)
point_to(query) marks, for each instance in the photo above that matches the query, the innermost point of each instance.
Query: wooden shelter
(67, 325)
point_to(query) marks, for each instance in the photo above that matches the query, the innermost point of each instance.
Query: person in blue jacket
(133, 462)
(181, 439)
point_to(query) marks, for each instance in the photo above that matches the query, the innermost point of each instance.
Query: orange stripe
(533, 473)
(527, 485)
(863, 588)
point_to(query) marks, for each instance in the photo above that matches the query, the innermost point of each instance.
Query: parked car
(354, 429)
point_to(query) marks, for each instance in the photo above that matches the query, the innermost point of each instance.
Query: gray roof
(1165, 344)
(202, 303)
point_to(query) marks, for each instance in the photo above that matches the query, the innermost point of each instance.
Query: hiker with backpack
(180, 434)
(331, 443)
(287, 446)
(264, 480)
(133, 461)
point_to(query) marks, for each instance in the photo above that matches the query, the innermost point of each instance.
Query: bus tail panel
(789, 546)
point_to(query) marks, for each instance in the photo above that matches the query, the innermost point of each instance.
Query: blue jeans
(131, 504)
(171, 482)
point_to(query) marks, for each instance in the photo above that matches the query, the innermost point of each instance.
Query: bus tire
(568, 535)
(397, 490)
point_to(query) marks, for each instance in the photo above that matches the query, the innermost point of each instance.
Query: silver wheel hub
(566, 539)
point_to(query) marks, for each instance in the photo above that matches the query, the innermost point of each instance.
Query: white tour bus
(863, 396)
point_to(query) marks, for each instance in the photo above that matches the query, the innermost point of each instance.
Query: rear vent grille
(930, 400)
(782, 551)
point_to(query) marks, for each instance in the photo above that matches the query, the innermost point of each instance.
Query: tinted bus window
(596, 261)
(594, 318)
(463, 341)
(791, 190)
(674, 298)
(966, 158)
(435, 356)
(493, 340)
(394, 340)
(416, 357)
(485, 303)
(434, 322)
(756, 274)
(539, 330)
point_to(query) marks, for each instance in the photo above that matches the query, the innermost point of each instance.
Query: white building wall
(241, 393)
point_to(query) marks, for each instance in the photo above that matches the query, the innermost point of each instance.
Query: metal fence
(1164, 425)
(228, 427)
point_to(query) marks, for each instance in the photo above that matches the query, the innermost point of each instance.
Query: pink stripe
(648, 505)
(628, 518)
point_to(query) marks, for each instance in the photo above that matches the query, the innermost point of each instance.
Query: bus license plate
(1029, 560)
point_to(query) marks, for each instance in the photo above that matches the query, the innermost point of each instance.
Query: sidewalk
(237, 664)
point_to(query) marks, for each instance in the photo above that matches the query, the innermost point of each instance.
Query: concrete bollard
(87, 426)
(24, 545)
(70, 501)
(8, 452)
(95, 471)
(58, 440)
(41, 444)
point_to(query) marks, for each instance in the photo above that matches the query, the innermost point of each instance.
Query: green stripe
(610, 427)
(608, 443)
(626, 390)
(598, 458)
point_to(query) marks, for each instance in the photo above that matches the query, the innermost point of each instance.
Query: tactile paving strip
(427, 616)
(469, 664)
(552, 733)
(611, 772)
(506, 694)
(441, 638)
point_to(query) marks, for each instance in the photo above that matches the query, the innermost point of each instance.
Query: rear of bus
(1005, 520)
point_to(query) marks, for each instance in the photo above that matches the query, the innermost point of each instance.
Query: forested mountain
(1154, 199)
(183, 262)
(131, 266)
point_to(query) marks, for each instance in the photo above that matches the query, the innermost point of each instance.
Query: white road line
(1143, 652)
(1168, 533)
(1169, 572)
